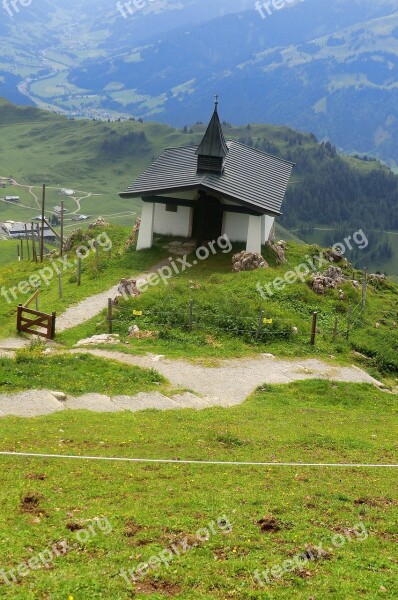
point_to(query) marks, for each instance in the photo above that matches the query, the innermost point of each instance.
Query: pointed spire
(213, 145)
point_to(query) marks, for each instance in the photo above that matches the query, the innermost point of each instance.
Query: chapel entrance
(207, 219)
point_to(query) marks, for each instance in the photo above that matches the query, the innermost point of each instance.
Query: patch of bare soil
(150, 586)
(31, 504)
(269, 523)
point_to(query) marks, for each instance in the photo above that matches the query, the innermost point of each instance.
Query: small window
(171, 208)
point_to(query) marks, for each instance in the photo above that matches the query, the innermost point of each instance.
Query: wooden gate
(28, 320)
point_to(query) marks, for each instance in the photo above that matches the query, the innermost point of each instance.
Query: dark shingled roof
(250, 177)
(213, 143)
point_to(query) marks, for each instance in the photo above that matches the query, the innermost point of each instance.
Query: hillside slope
(337, 194)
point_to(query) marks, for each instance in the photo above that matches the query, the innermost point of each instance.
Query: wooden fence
(35, 322)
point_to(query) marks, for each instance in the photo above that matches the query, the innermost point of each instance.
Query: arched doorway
(207, 219)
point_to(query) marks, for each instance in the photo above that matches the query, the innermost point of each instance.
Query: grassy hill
(99, 159)
(274, 513)
(114, 515)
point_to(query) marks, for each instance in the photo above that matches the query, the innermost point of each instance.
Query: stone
(248, 261)
(30, 404)
(103, 338)
(280, 250)
(145, 401)
(188, 400)
(58, 395)
(100, 222)
(134, 329)
(94, 402)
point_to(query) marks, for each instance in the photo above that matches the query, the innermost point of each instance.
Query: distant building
(14, 199)
(17, 231)
(58, 210)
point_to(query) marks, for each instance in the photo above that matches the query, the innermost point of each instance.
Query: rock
(47, 351)
(377, 278)
(279, 248)
(295, 330)
(126, 288)
(377, 325)
(341, 295)
(130, 242)
(134, 329)
(58, 395)
(100, 222)
(330, 279)
(333, 255)
(268, 355)
(248, 261)
(104, 338)
(355, 284)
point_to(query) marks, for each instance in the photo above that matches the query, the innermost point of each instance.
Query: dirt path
(233, 381)
(226, 385)
(92, 306)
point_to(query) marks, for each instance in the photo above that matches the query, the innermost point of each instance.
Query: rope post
(336, 329)
(364, 287)
(43, 202)
(349, 321)
(61, 241)
(79, 270)
(110, 315)
(313, 331)
(259, 325)
(27, 241)
(60, 284)
(190, 324)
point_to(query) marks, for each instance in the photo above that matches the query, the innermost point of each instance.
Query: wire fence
(255, 327)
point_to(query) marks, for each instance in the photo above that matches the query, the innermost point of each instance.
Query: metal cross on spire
(216, 103)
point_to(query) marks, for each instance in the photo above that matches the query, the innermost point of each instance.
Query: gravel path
(92, 306)
(233, 381)
(225, 385)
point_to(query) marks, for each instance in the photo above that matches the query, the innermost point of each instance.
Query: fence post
(79, 270)
(190, 324)
(364, 287)
(19, 315)
(314, 322)
(110, 315)
(54, 315)
(259, 326)
(336, 328)
(27, 241)
(60, 284)
(21, 249)
(349, 321)
(19, 253)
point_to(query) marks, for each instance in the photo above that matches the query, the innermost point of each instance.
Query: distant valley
(329, 68)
